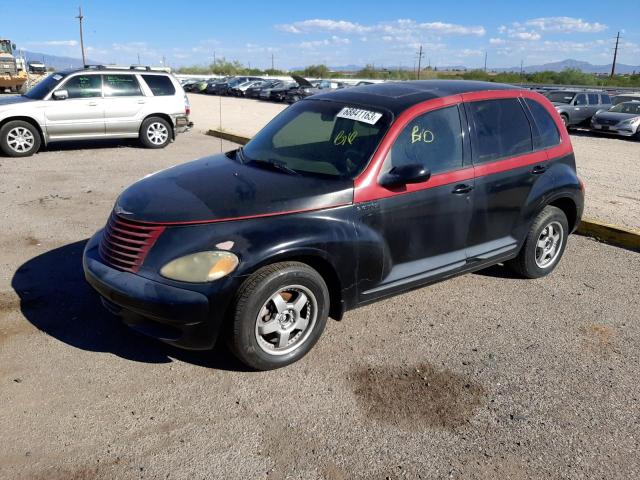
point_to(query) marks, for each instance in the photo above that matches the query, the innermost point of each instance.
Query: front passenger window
(84, 86)
(581, 99)
(433, 139)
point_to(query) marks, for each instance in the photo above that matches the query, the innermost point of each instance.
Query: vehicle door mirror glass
(60, 95)
(405, 174)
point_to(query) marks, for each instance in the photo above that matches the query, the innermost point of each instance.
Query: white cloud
(565, 25)
(323, 25)
(452, 29)
(56, 43)
(524, 35)
(334, 40)
(497, 41)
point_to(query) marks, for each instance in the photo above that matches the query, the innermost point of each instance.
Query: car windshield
(627, 107)
(560, 97)
(318, 138)
(43, 88)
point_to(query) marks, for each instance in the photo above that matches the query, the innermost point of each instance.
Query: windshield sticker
(56, 77)
(343, 138)
(359, 115)
(419, 135)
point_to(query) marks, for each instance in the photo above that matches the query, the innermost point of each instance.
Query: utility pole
(521, 69)
(139, 59)
(272, 62)
(80, 17)
(615, 56)
(420, 55)
(485, 60)
(214, 58)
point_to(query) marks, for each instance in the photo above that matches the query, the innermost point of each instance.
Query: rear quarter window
(121, 85)
(502, 129)
(548, 135)
(160, 85)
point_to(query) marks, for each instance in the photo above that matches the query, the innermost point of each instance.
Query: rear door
(580, 109)
(502, 144)
(79, 116)
(124, 104)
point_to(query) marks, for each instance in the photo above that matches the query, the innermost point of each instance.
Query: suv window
(605, 99)
(121, 85)
(160, 85)
(548, 135)
(433, 139)
(581, 99)
(502, 129)
(84, 86)
(593, 99)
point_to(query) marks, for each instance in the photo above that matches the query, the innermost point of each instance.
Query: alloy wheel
(157, 133)
(549, 245)
(20, 139)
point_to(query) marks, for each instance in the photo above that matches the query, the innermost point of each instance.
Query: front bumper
(173, 315)
(626, 131)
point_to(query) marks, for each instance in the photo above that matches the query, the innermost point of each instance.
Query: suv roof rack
(147, 68)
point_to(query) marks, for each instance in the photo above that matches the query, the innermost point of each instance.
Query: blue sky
(337, 33)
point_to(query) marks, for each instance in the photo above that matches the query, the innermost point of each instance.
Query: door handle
(93, 104)
(462, 188)
(141, 101)
(538, 169)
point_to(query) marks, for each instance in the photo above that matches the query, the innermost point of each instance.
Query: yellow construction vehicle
(13, 72)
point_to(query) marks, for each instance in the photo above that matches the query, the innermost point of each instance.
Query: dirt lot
(484, 376)
(610, 166)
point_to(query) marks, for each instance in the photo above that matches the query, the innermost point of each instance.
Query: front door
(124, 104)
(81, 115)
(422, 227)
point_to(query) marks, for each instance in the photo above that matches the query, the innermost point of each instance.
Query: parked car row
(597, 110)
(288, 91)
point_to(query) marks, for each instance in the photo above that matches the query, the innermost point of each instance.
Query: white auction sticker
(360, 115)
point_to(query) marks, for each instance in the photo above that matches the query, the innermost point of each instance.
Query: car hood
(218, 188)
(615, 116)
(7, 102)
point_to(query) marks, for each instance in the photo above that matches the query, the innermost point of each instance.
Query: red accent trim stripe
(366, 187)
(245, 217)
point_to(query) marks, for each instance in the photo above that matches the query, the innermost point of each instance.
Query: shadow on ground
(55, 298)
(92, 144)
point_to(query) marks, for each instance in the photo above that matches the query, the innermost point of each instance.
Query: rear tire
(544, 245)
(19, 139)
(281, 311)
(565, 120)
(155, 132)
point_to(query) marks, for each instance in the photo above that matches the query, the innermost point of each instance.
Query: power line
(615, 56)
(80, 17)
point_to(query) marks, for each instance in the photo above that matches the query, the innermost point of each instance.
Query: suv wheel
(19, 139)
(544, 245)
(280, 313)
(155, 132)
(565, 120)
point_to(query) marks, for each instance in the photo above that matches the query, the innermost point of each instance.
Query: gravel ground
(609, 165)
(484, 376)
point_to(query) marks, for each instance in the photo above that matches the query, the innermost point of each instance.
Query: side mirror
(60, 95)
(404, 174)
(13, 46)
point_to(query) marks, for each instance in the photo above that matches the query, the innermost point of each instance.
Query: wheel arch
(569, 208)
(29, 120)
(164, 116)
(323, 266)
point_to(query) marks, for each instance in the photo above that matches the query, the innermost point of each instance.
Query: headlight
(200, 267)
(631, 121)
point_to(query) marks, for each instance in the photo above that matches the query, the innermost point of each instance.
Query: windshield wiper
(275, 164)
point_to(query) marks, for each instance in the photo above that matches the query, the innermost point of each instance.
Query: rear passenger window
(502, 129)
(605, 99)
(593, 99)
(160, 85)
(548, 135)
(433, 139)
(121, 86)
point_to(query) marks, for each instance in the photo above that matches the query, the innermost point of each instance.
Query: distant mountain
(54, 61)
(570, 63)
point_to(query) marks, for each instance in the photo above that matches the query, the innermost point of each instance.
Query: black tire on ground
(27, 135)
(155, 132)
(22, 89)
(526, 263)
(254, 308)
(565, 120)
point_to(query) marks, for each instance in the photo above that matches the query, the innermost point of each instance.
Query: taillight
(187, 105)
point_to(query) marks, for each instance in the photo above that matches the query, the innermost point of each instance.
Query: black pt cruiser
(343, 199)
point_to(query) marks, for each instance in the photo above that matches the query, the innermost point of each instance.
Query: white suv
(93, 103)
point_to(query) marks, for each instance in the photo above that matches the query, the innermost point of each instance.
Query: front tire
(280, 313)
(155, 132)
(544, 245)
(19, 139)
(565, 120)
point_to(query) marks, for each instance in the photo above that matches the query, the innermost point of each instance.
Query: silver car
(95, 103)
(621, 119)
